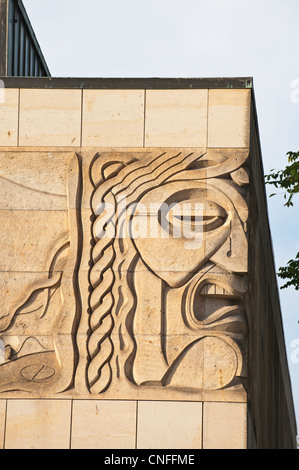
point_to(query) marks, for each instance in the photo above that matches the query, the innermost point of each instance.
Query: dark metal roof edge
(128, 83)
(33, 36)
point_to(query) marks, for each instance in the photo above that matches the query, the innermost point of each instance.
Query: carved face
(187, 224)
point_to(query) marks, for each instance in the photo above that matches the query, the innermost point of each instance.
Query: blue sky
(195, 38)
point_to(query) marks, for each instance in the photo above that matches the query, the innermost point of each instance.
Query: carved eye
(196, 216)
(186, 214)
(213, 216)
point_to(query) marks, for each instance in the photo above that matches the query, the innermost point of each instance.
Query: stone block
(229, 118)
(2, 422)
(103, 424)
(34, 180)
(176, 118)
(9, 111)
(50, 118)
(169, 425)
(224, 425)
(38, 424)
(113, 118)
(30, 240)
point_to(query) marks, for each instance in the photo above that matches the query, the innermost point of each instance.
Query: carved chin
(211, 362)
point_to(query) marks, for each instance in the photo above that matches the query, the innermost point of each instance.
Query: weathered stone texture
(171, 219)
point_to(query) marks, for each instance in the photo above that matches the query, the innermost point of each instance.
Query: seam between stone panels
(136, 429)
(81, 123)
(144, 119)
(71, 424)
(207, 136)
(18, 124)
(34, 210)
(28, 272)
(5, 423)
(202, 424)
(43, 148)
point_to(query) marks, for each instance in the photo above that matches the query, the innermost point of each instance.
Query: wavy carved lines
(154, 173)
(124, 308)
(158, 175)
(102, 280)
(132, 180)
(100, 346)
(24, 301)
(104, 187)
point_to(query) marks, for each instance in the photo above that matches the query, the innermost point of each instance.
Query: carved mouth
(214, 290)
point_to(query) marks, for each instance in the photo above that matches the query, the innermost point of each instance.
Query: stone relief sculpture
(166, 232)
(166, 309)
(37, 324)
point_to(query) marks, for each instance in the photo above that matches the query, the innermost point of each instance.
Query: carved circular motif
(37, 372)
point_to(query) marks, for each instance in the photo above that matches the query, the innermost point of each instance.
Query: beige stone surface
(38, 424)
(31, 239)
(103, 424)
(50, 117)
(224, 425)
(34, 180)
(169, 425)
(9, 110)
(25, 298)
(113, 118)
(176, 118)
(2, 422)
(228, 118)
